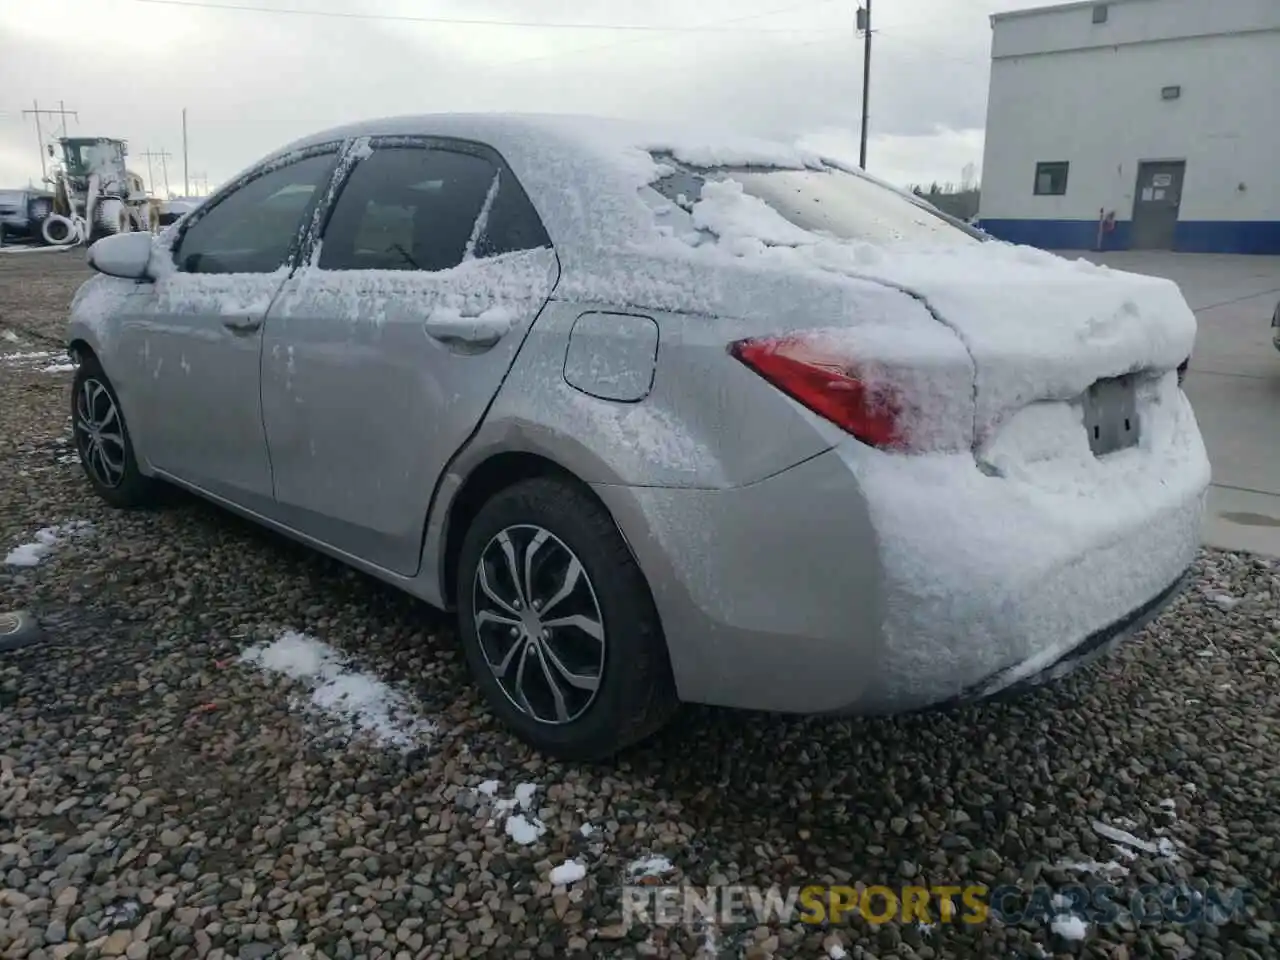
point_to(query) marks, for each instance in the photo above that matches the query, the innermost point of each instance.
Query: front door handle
(242, 325)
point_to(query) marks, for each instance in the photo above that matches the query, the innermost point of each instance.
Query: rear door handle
(242, 325)
(471, 330)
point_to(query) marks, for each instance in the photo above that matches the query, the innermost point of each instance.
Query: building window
(1099, 13)
(1051, 179)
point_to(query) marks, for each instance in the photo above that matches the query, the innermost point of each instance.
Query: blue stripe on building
(1193, 236)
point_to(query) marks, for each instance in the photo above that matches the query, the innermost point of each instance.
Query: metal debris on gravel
(160, 798)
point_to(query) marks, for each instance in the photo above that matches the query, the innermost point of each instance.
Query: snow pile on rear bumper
(986, 573)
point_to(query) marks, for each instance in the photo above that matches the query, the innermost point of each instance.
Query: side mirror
(124, 255)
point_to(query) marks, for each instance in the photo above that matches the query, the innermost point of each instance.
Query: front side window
(1051, 179)
(252, 229)
(411, 208)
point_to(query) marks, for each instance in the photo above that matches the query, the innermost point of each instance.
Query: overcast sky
(251, 81)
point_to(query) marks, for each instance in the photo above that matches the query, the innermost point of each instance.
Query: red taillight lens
(826, 384)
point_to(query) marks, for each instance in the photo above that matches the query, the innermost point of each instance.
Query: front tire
(557, 623)
(103, 443)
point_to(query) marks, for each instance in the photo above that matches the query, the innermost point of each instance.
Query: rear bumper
(1097, 645)
(830, 588)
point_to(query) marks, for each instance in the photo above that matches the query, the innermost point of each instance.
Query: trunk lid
(1039, 327)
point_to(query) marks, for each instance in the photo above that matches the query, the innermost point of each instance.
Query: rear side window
(412, 208)
(826, 202)
(252, 229)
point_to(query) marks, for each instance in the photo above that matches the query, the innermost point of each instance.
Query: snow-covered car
(663, 416)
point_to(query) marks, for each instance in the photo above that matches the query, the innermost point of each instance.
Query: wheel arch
(79, 347)
(486, 479)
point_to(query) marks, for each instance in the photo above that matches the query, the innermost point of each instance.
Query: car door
(381, 355)
(192, 340)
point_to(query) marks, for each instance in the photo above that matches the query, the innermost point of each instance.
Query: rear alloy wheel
(102, 440)
(557, 623)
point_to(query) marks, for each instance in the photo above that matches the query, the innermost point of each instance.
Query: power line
(36, 112)
(163, 155)
(711, 23)
(932, 52)
(470, 22)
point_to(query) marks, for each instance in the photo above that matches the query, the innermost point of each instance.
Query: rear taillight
(829, 385)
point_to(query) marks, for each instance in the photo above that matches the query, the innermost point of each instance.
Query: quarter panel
(770, 593)
(708, 421)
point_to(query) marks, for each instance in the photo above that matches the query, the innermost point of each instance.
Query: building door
(1156, 203)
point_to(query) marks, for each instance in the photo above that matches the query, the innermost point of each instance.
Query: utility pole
(186, 182)
(162, 155)
(61, 112)
(864, 25)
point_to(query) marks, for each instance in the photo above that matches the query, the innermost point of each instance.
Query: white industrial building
(1163, 113)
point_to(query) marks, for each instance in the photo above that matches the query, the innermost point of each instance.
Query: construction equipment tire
(58, 231)
(112, 216)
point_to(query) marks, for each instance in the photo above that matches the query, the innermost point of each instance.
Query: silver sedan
(663, 416)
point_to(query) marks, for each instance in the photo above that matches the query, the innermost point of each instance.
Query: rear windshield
(829, 202)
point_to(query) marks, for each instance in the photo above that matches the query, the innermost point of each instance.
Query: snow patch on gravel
(352, 698)
(568, 872)
(1070, 927)
(1127, 844)
(33, 359)
(651, 866)
(46, 538)
(524, 831)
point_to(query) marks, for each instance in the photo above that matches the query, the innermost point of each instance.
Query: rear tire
(103, 443)
(576, 578)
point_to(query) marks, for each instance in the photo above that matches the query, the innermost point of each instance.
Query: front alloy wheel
(539, 625)
(102, 439)
(99, 434)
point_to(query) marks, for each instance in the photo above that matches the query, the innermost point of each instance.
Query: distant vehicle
(663, 416)
(95, 194)
(22, 212)
(1275, 327)
(171, 211)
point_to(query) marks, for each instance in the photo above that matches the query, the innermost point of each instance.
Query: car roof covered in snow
(584, 174)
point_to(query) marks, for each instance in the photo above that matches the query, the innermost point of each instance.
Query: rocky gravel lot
(161, 798)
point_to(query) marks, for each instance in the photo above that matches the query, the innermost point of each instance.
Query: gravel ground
(160, 798)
